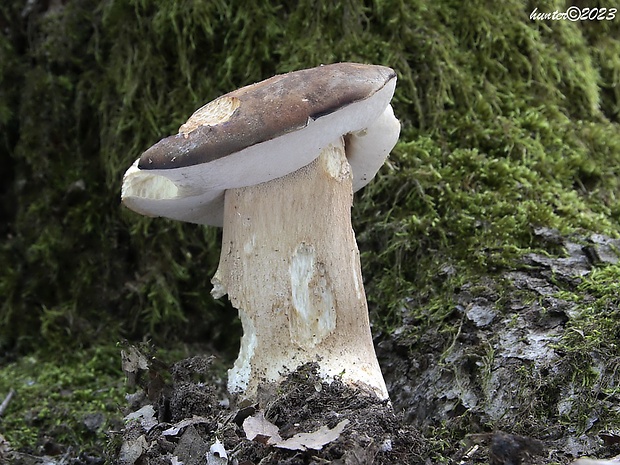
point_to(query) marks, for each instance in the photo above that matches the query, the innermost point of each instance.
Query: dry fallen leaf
(177, 427)
(146, 417)
(133, 362)
(315, 440)
(258, 428)
(588, 461)
(217, 454)
(610, 438)
(132, 450)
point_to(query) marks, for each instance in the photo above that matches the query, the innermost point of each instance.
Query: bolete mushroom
(276, 164)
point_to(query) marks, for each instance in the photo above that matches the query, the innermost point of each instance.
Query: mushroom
(276, 164)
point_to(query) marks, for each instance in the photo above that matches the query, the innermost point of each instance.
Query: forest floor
(523, 376)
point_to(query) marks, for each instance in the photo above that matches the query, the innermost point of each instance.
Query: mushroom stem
(290, 265)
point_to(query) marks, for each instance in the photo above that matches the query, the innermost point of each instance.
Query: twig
(5, 402)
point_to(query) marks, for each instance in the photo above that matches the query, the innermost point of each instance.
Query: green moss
(595, 324)
(518, 142)
(54, 397)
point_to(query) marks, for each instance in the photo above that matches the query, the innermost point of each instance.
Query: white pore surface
(367, 149)
(199, 189)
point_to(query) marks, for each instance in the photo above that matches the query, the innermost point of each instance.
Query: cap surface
(267, 110)
(259, 133)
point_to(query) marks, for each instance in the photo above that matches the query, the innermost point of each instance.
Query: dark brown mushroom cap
(269, 109)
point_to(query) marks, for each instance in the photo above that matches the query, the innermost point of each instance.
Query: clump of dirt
(303, 420)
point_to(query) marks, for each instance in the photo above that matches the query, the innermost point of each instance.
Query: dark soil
(301, 404)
